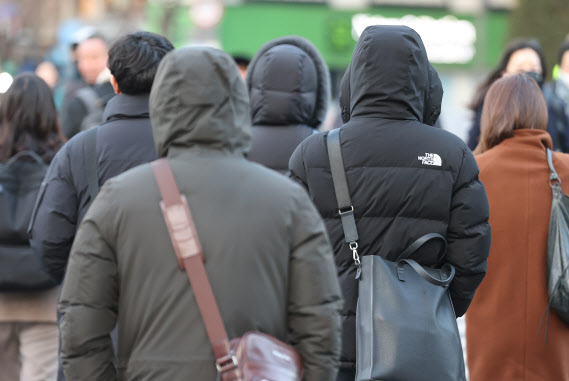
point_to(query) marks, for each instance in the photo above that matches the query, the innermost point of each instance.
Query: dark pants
(346, 374)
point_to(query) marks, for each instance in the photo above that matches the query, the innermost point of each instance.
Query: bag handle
(443, 282)
(345, 206)
(190, 258)
(420, 242)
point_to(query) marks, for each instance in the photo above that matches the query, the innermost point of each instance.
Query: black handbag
(20, 182)
(558, 247)
(405, 323)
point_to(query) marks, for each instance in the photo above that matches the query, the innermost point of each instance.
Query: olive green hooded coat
(266, 250)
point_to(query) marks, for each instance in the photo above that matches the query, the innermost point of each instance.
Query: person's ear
(115, 85)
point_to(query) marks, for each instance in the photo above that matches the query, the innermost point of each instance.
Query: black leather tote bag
(558, 247)
(406, 328)
(20, 182)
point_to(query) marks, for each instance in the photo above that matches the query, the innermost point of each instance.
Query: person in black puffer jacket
(399, 188)
(289, 88)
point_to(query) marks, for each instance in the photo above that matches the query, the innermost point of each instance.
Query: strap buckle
(355, 255)
(346, 211)
(226, 363)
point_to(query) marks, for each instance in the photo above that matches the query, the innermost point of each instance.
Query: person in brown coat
(504, 338)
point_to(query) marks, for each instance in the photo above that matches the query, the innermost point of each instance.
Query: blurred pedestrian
(289, 88)
(266, 251)
(504, 339)
(122, 142)
(520, 56)
(83, 108)
(557, 97)
(406, 179)
(47, 71)
(29, 138)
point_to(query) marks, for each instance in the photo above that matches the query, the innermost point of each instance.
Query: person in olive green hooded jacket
(266, 251)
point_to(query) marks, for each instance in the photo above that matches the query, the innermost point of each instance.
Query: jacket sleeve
(89, 298)
(54, 219)
(468, 234)
(296, 166)
(314, 300)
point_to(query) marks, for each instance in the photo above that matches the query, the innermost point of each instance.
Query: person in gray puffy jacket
(289, 87)
(266, 251)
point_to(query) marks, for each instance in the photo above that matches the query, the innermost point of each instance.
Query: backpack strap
(189, 252)
(91, 162)
(21, 154)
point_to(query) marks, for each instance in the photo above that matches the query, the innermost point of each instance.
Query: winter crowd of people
(93, 245)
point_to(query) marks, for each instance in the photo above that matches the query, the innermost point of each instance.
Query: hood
(390, 77)
(289, 83)
(199, 99)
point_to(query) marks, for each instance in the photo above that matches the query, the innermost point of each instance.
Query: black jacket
(289, 88)
(123, 142)
(398, 191)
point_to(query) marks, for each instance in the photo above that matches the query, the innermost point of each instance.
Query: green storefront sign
(451, 40)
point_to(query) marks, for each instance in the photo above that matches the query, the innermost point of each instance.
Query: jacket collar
(127, 106)
(530, 137)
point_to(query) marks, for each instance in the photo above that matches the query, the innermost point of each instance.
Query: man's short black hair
(134, 59)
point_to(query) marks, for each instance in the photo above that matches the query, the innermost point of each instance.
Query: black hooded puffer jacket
(399, 188)
(289, 87)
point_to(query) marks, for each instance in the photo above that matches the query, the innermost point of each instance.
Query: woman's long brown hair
(513, 102)
(28, 119)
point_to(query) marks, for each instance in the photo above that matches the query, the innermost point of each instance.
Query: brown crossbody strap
(190, 258)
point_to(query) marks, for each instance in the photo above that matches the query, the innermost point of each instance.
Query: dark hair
(512, 47)
(28, 119)
(512, 103)
(134, 59)
(562, 49)
(241, 60)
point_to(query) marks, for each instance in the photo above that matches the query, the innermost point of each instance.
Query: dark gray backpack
(20, 181)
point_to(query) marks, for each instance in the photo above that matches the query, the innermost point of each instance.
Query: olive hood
(199, 99)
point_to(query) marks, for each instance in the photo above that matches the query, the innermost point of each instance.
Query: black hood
(288, 84)
(390, 77)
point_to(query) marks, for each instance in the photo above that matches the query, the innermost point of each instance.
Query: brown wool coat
(503, 337)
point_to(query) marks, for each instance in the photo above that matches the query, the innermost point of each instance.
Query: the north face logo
(431, 159)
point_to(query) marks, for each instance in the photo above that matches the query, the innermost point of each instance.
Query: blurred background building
(464, 38)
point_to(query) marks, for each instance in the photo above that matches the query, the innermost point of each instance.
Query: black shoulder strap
(92, 165)
(345, 207)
